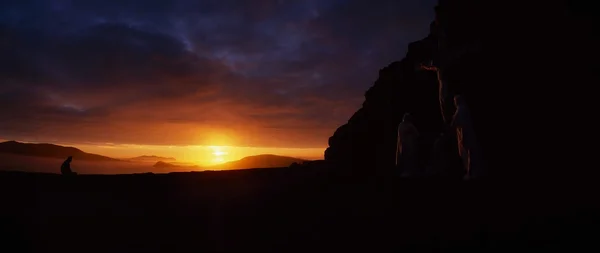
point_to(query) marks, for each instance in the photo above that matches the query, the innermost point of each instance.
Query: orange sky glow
(193, 154)
(214, 146)
(221, 83)
(199, 155)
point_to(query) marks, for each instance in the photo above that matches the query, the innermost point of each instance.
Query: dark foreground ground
(290, 210)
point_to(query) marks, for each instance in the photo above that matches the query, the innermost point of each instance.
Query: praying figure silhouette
(65, 168)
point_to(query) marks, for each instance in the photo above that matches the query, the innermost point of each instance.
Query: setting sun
(219, 154)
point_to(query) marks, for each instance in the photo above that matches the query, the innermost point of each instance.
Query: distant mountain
(163, 165)
(151, 159)
(259, 161)
(49, 150)
(170, 166)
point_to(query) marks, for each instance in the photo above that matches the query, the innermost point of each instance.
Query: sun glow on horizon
(200, 155)
(219, 154)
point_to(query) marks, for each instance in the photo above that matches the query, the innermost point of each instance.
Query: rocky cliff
(369, 137)
(518, 64)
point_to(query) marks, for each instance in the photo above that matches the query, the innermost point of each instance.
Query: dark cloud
(271, 72)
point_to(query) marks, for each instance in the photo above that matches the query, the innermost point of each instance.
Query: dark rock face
(519, 65)
(369, 137)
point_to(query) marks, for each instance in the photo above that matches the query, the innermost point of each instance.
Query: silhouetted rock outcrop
(518, 65)
(522, 66)
(369, 137)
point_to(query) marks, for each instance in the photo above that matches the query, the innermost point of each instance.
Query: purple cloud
(269, 73)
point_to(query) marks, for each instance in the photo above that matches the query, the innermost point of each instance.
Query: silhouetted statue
(65, 168)
(468, 147)
(407, 144)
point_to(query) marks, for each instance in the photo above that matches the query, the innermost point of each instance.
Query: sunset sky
(171, 78)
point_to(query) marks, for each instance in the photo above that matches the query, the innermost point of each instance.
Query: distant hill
(259, 161)
(163, 165)
(49, 150)
(151, 159)
(170, 166)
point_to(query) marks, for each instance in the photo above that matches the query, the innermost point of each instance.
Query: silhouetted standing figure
(65, 168)
(406, 150)
(468, 147)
